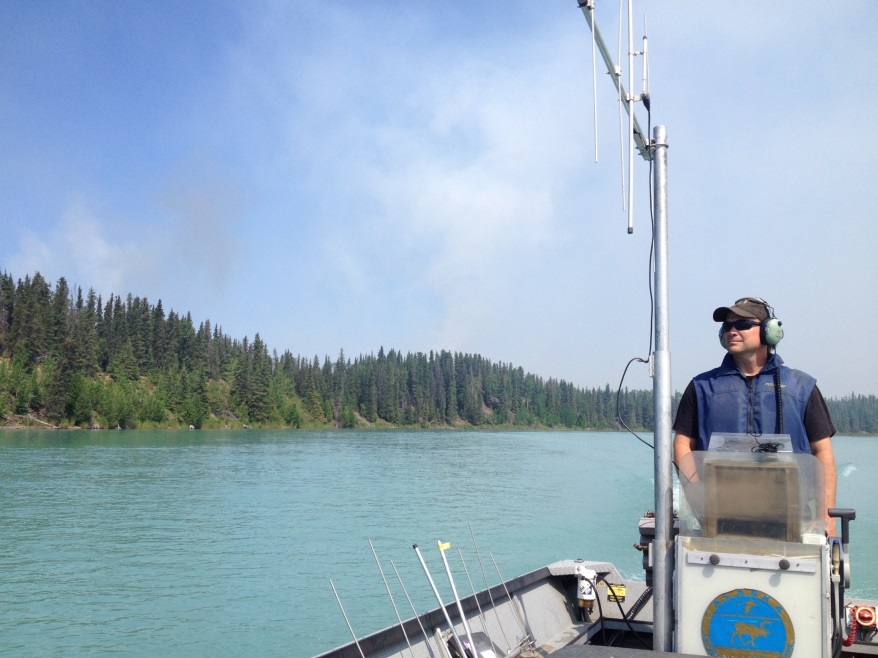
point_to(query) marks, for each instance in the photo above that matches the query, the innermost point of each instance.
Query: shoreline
(43, 426)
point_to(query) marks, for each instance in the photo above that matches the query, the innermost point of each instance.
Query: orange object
(865, 615)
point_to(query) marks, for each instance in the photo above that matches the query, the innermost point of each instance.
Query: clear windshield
(747, 495)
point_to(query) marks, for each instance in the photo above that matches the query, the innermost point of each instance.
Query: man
(742, 396)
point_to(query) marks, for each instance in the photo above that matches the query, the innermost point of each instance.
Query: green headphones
(770, 329)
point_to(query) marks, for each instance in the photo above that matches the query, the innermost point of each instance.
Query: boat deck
(626, 623)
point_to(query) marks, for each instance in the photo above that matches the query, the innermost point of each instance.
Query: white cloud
(81, 248)
(183, 252)
(420, 176)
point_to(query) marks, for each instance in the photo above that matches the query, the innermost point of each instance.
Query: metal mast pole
(662, 546)
(662, 552)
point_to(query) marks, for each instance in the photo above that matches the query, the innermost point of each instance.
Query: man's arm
(822, 450)
(686, 428)
(683, 447)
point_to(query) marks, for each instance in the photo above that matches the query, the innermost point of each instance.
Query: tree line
(69, 358)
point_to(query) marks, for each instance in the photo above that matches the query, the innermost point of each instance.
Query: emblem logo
(747, 622)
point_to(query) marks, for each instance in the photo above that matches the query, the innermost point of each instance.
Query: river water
(224, 543)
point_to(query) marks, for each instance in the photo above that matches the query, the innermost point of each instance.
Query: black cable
(651, 295)
(765, 446)
(770, 446)
(621, 612)
(594, 588)
(652, 227)
(651, 262)
(619, 393)
(779, 398)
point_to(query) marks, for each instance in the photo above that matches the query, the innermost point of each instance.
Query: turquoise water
(223, 543)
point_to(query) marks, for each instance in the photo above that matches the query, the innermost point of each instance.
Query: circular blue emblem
(744, 621)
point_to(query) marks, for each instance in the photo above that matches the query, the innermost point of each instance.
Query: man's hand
(831, 527)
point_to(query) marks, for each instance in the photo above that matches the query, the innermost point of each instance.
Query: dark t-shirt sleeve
(818, 423)
(686, 421)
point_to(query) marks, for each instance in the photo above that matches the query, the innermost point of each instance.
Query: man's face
(742, 341)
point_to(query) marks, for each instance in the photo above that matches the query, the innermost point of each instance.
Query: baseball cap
(746, 307)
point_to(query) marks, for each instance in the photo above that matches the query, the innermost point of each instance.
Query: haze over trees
(73, 358)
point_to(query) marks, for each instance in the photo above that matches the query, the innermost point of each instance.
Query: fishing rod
(344, 614)
(528, 635)
(417, 616)
(392, 602)
(472, 587)
(469, 636)
(457, 641)
(488, 587)
(509, 651)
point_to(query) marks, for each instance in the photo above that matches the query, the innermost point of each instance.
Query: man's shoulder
(775, 361)
(798, 384)
(727, 367)
(798, 374)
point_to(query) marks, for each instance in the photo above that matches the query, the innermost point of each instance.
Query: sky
(422, 176)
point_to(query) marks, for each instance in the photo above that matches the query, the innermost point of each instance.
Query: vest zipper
(750, 407)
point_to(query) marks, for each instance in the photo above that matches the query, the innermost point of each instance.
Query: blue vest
(728, 402)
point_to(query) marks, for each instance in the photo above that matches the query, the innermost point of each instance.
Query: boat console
(755, 572)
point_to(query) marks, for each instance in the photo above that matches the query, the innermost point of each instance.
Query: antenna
(636, 137)
(594, 78)
(656, 153)
(630, 100)
(644, 94)
(617, 73)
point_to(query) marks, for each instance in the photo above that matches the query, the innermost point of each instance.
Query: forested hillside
(74, 359)
(69, 358)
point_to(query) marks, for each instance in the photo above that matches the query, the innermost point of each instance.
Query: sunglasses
(740, 325)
